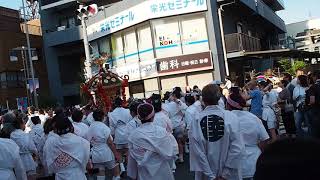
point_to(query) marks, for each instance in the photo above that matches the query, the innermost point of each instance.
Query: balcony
(266, 12)
(63, 35)
(276, 5)
(266, 9)
(238, 42)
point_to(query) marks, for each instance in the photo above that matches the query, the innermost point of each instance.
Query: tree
(288, 67)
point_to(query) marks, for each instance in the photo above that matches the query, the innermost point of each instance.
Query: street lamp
(29, 54)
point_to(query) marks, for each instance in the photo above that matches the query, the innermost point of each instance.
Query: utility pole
(87, 62)
(30, 56)
(25, 70)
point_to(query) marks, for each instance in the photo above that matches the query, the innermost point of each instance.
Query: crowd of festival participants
(223, 128)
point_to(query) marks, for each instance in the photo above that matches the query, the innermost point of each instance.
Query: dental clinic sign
(149, 9)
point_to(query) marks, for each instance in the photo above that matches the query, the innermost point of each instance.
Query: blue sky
(296, 10)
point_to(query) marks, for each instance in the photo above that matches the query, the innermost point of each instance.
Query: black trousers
(288, 122)
(314, 117)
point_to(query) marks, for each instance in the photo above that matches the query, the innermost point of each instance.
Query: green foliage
(288, 67)
(298, 65)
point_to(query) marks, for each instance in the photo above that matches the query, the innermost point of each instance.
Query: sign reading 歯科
(184, 62)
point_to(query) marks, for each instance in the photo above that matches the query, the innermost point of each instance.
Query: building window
(34, 55)
(13, 56)
(167, 37)
(3, 80)
(13, 79)
(130, 46)
(239, 27)
(183, 35)
(145, 45)
(117, 49)
(194, 34)
(67, 22)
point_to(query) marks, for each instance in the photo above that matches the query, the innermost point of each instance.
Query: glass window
(104, 46)
(71, 22)
(145, 43)
(94, 49)
(34, 55)
(13, 56)
(194, 34)
(130, 46)
(64, 22)
(12, 79)
(167, 37)
(117, 50)
(3, 80)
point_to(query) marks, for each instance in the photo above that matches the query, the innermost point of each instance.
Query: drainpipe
(220, 9)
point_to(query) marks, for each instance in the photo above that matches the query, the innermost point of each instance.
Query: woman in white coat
(103, 152)
(27, 147)
(67, 154)
(252, 130)
(11, 166)
(151, 149)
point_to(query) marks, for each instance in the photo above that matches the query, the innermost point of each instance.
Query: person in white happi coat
(151, 149)
(31, 113)
(87, 118)
(119, 118)
(216, 144)
(37, 134)
(191, 112)
(103, 152)
(67, 154)
(27, 147)
(269, 102)
(190, 115)
(135, 121)
(80, 128)
(160, 117)
(11, 166)
(176, 110)
(197, 102)
(43, 117)
(253, 133)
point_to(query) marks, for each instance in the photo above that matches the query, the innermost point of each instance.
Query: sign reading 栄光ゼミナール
(146, 10)
(184, 63)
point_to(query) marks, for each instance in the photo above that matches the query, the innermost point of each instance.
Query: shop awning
(285, 53)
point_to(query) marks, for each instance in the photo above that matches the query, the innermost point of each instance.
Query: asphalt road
(183, 171)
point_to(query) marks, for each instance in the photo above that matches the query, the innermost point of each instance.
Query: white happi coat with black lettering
(11, 166)
(151, 151)
(67, 156)
(218, 158)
